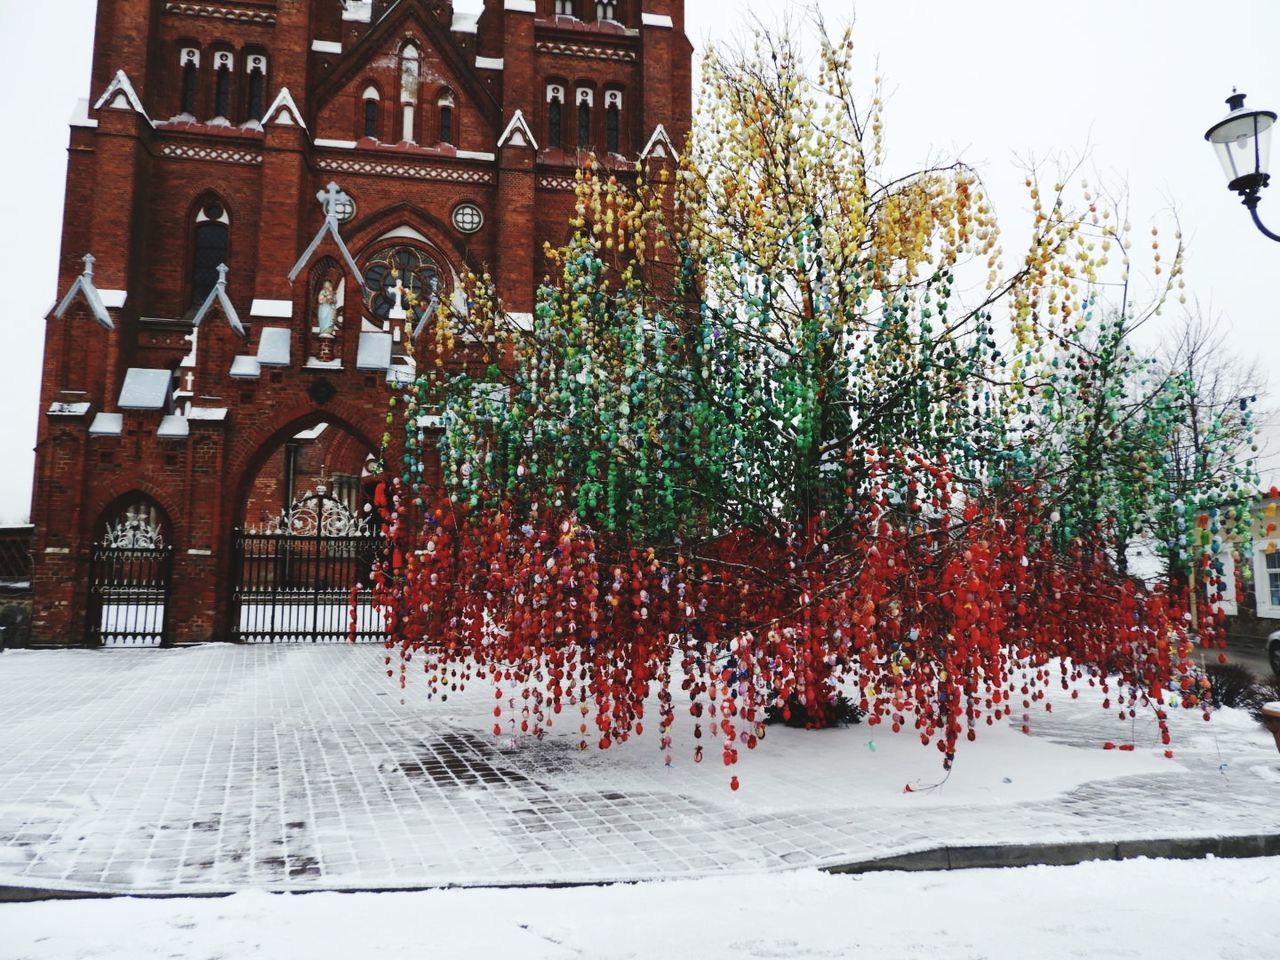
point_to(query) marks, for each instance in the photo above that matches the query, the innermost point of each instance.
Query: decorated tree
(758, 450)
(1208, 468)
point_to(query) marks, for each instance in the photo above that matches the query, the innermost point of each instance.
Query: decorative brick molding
(412, 171)
(586, 52)
(220, 12)
(191, 151)
(551, 182)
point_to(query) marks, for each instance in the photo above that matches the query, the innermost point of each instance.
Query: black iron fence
(308, 588)
(128, 595)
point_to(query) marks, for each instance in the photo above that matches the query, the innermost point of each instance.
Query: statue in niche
(327, 309)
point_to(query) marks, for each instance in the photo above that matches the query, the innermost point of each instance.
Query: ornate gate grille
(303, 578)
(129, 584)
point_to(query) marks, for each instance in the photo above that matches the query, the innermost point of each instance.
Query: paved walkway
(295, 768)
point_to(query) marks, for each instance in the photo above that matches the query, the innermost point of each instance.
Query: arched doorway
(130, 562)
(308, 538)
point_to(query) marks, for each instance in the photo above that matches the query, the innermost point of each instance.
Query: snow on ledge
(357, 11)
(272, 309)
(80, 115)
(657, 20)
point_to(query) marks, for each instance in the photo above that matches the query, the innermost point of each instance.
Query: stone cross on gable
(337, 203)
(89, 260)
(222, 274)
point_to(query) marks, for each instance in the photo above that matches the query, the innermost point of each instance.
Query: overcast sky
(1129, 85)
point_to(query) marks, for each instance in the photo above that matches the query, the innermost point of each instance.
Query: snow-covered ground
(1211, 910)
(225, 768)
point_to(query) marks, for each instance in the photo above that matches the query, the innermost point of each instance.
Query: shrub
(842, 712)
(1260, 693)
(1230, 684)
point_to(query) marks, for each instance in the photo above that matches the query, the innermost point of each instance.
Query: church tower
(263, 199)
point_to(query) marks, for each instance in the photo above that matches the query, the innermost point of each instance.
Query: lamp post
(1242, 141)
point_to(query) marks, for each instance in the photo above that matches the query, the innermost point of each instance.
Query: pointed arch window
(211, 242)
(189, 59)
(410, 67)
(371, 104)
(223, 64)
(613, 120)
(555, 115)
(136, 524)
(256, 65)
(585, 101)
(445, 105)
(564, 8)
(606, 11)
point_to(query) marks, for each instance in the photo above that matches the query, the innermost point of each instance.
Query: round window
(467, 217)
(415, 274)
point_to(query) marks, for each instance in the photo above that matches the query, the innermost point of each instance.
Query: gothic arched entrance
(130, 563)
(309, 538)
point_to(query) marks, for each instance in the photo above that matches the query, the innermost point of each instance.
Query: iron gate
(128, 594)
(304, 578)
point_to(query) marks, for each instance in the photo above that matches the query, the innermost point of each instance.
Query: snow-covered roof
(59, 409)
(660, 145)
(174, 426)
(357, 11)
(284, 110)
(219, 296)
(83, 287)
(107, 425)
(145, 389)
(374, 352)
(401, 374)
(330, 227)
(120, 95)
(273, 346)
(518, 133)
(246, 368)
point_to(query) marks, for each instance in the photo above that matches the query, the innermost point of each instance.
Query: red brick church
(255, 189)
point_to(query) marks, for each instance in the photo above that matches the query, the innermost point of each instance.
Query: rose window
(409, 268)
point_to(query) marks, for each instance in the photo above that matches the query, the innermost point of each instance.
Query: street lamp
(1242, 141)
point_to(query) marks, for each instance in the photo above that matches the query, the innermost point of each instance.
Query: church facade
(259, 192)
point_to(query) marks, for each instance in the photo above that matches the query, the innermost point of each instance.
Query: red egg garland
(940, 616)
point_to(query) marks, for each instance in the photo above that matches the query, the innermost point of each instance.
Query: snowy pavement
(1212, 910)
(222, 768)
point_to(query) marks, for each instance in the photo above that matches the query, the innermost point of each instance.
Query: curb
(992, 856)
(1068, 854)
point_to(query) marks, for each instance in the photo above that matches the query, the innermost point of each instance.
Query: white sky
(1132, 85)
